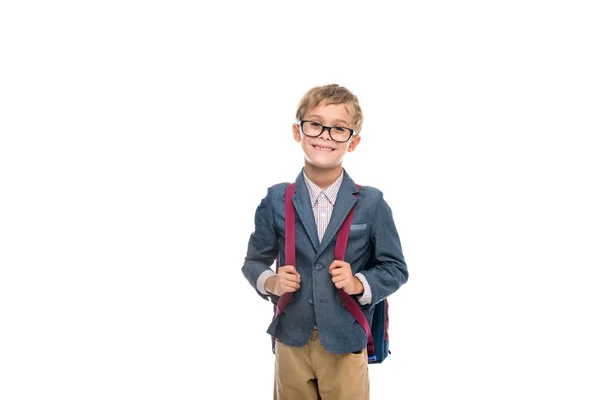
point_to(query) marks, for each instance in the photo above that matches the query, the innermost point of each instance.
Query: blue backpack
(377, 331)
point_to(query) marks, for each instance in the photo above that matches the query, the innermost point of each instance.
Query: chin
(321, 159)
(320, 164)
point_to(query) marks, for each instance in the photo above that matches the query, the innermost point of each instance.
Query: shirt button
(311, 301)
(319, 267)
(323, 215)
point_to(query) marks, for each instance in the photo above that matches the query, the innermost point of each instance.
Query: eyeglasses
(337, 133)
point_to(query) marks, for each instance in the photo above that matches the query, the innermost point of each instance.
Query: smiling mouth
(322, 148)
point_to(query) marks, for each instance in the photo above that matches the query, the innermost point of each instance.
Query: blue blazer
(373, 249)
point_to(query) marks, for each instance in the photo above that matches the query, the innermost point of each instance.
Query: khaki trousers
(312, 373)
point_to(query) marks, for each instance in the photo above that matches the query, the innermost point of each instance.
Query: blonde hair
(331, 94)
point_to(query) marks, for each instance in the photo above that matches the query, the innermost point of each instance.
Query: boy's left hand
(341, 276)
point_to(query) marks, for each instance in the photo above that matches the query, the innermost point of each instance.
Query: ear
(353, 143)
(297, 134)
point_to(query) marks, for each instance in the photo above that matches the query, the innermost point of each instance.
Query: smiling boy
(320, 350)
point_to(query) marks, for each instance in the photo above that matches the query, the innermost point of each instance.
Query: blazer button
(311, 301)
(319, 267)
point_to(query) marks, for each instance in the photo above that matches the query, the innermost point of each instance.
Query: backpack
(377, 331)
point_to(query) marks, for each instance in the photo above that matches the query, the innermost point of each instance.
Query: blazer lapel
(343, 204)
(301, 201)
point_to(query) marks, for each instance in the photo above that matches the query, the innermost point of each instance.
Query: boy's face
(322, 151)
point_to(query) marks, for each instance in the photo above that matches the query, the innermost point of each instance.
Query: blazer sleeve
(263, 245)
(388, 270)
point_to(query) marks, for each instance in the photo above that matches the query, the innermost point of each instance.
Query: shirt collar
(330, 193)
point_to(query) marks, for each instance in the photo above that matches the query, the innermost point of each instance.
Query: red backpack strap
(339, 254)
(290, 226)
(290, 243)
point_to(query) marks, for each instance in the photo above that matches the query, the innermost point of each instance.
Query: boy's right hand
(287, 280)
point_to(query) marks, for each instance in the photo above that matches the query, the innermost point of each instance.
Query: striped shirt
(322, 202)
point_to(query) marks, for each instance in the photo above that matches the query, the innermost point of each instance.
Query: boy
(320, 349)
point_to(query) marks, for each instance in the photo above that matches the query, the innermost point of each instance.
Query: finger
(341, 270)
(345, 271)
(291, 286)
(336, 264)
(340, 278)
(291, 277)
(288, 268)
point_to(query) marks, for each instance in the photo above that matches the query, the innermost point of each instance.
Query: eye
(315, 124)
(339, 129)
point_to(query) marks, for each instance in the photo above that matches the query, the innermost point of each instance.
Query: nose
(328, 129)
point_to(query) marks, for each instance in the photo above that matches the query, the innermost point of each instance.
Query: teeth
(323, 148)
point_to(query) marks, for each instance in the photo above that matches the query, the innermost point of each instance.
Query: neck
(322, 177)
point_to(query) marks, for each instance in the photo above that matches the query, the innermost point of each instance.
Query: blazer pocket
(358, 227)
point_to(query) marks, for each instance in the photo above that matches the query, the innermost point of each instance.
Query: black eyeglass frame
(323, 127)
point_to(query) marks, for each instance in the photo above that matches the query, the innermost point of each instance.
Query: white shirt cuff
(366, 296)
(260, 283)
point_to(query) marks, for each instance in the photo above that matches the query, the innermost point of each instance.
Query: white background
(137, 139)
